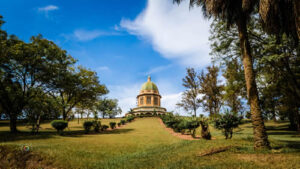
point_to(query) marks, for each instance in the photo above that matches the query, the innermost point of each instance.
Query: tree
(227, 122)
(108, 107)
(238, 13)
(211, 90)
(77, 86)
(275, 64)
(190, 100)
(281, 17)
(235, 86)
(25, 67)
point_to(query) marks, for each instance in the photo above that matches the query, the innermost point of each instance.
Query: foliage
(130, 118)
(104, 127)
(238, 13)
(97, 126)
(180, 124)
(119, 124)
(190, 98)
(275, 65)
(87, 125)
(59, 125)
(112, 125)
(211, 89)
(122, 122)
(205, 133)
(227, 122)
(108, 107)
(32, 72)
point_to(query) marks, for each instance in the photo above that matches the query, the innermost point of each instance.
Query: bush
(112, 125)
(104, 127)
(227, 123)
(97, 125)
(129, 118)
(119, 124)
(122, 122)
(205, 133)
(87, 126)
(59, 125)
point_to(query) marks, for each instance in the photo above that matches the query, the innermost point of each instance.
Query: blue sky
(124, 41)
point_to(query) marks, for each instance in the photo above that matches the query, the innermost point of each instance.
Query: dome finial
(149, 78)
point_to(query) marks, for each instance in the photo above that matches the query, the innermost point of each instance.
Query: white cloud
(86, 35)
(157, 69)
(174, 31)
(48, 8)
(169, 101)
(126, 94)
(102, 68)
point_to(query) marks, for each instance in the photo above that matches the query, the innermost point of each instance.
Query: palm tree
(281, 16)
(238, 12)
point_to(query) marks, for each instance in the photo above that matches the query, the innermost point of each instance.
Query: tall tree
(24, 67)
(211, 90)
(275, 65)
(190, 100)
(281, 17)
(238, 13)
(75, 86)
(235, 85)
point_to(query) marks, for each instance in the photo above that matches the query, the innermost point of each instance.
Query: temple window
(155, 101)
(142, 100)
(148, 99)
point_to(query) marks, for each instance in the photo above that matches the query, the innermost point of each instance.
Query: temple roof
(149, 85)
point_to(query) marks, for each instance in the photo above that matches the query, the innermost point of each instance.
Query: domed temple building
(148, 101)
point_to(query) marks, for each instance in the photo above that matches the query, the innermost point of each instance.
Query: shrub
(227, 123)
(112, 125)
(122, 122)
(205, 133)
(129, 118)
(87, 126)
(104, 127)
(96, 125)
(119, 124)
(59, 125)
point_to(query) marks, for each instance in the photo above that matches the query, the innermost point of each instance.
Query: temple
(148, 101)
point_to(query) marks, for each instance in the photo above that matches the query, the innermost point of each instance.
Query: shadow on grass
(288, 146)
(6, 136)
(282, 127)
(282, 133)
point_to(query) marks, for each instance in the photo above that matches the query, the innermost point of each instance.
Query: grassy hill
(145, 143)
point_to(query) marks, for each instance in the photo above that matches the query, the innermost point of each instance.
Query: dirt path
(179, 135)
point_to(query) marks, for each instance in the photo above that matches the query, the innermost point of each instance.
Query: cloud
(102, 68)
(86, 35)
(48, 8)
(126, 95)
(169, 101)
(157, 69)
(174, 31)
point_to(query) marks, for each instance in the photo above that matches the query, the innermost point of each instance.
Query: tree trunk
(13, 122)
(38, 123)
(78, 117)
(259, 130)
(64, 115)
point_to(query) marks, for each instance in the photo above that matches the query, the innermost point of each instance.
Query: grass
(144, 143)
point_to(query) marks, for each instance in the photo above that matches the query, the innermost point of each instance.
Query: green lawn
(144, 143)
